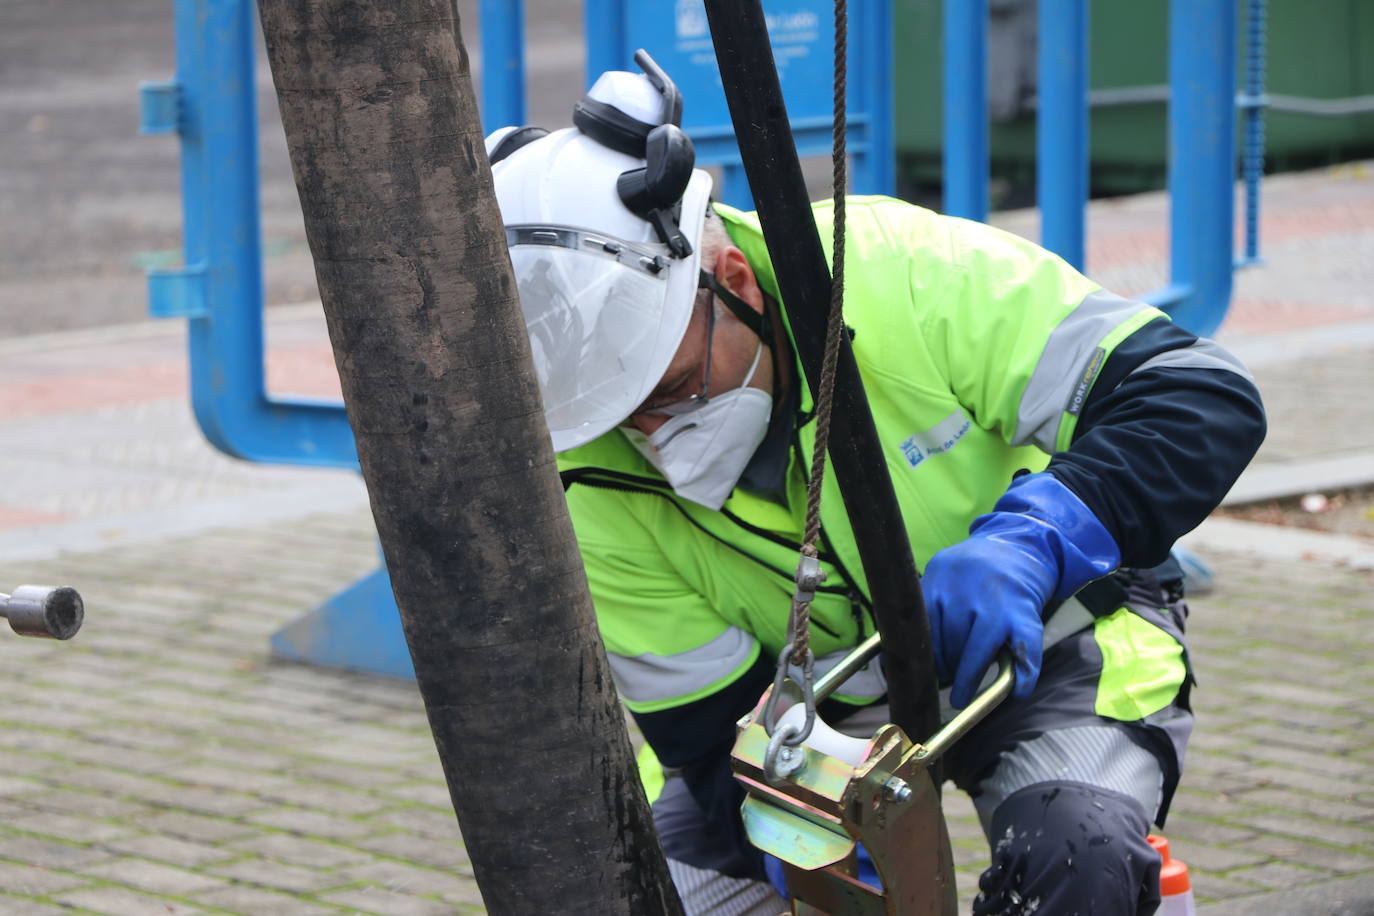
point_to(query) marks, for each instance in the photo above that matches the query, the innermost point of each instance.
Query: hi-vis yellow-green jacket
(977, 350)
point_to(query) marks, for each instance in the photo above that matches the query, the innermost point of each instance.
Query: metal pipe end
(51, 612)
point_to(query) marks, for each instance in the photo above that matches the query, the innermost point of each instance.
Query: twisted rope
(800, 624)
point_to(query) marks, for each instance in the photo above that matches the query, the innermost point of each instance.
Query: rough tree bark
(386, 145)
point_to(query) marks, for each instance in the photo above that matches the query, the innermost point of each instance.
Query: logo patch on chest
(940, 438)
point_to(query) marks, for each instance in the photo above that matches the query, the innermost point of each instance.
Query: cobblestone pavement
(1317, 247)
(1279, 787)
(162, 763)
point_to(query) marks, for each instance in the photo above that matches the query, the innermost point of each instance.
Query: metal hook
(808, 691)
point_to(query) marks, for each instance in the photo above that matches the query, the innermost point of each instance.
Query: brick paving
(1316, 238)
(161, 759)
(162, 763)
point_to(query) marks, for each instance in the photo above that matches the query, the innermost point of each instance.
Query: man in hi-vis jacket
(1047, 440)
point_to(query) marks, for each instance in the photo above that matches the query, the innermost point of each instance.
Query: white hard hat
(606, 292)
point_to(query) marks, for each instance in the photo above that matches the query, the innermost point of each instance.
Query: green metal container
(1317, 50)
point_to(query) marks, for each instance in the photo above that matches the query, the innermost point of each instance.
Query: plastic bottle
(1175, 890)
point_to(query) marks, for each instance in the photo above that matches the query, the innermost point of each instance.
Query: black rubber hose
(770, 160)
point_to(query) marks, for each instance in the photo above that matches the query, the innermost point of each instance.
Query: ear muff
(669, 159)
(654, 191)
(512, 141)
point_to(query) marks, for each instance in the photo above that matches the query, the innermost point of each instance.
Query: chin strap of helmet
(754, 321)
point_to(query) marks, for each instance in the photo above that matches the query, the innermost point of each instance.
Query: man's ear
(733, 271)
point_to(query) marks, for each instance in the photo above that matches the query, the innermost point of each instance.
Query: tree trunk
(410, 253)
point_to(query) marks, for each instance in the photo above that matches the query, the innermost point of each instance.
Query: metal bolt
(896, 790)
(781, 760)
(790, 760)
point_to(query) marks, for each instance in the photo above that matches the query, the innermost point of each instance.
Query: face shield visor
(600, 327)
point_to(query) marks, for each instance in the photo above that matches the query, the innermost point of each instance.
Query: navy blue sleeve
(1157, 448)
(696, 739)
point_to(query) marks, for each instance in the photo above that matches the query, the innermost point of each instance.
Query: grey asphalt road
(86, 203)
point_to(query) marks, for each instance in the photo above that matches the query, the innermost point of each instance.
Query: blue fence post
(211, 105)
(966, 109)
(219, 178)
(1253, 103)
(1061, 141)
(876, 165)
(1202, 160)
(219, 291)
(503, 63)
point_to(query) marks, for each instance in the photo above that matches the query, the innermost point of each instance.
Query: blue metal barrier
(1252, 104)
(965, 95)
(1202, 162)
(503, 62)
(1061, 140)
(211, 106)
(1202, 68)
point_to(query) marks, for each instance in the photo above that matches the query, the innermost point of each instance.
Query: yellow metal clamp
(810, 810)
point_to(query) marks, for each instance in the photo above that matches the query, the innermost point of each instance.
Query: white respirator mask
(702, 454)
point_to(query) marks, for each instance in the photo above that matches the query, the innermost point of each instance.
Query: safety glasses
(676, 407)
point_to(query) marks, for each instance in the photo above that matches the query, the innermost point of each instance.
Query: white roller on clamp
(824, 739)
(817, 801)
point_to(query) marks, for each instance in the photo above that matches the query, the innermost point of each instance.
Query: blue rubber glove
(772, 867)
(1040, 544)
